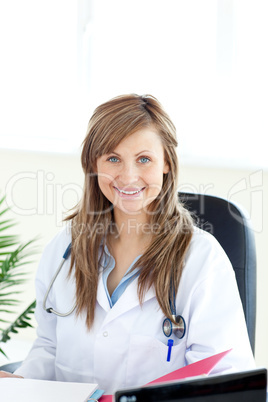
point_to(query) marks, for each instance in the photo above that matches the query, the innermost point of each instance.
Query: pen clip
(169, 344)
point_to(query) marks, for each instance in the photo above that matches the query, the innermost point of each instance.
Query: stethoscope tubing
(50, 309)
(180, 320)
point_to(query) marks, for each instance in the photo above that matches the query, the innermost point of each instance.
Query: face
(131, 176)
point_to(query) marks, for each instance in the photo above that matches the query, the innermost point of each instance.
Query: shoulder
(53, 252)
(205, 255)
(204, 242)
(59, 242)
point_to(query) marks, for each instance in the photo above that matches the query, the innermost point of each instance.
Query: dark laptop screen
(249, 386)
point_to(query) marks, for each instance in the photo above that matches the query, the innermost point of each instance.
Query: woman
(135, 253)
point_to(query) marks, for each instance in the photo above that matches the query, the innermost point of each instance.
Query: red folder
(202, 367)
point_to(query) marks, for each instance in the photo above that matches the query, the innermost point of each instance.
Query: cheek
(105, 175)
(153, 190)
(154, 178)
(105, 188)
(104, 182)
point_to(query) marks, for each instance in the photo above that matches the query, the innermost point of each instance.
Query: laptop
(247, 386)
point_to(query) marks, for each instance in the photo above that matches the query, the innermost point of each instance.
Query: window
(206, 61)
(38, 79)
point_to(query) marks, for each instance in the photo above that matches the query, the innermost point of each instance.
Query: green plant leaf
(22, 321)
(1, 351)
(14, 256)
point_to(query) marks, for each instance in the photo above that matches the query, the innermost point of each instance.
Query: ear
(166, 168)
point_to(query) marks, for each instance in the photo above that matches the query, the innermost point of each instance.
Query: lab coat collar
(127, 301)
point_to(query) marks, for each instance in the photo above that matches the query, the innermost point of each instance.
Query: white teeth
(129, 192)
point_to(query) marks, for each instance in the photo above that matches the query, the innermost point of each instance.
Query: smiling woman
(119, 132)
(131, 177)
(139, 272)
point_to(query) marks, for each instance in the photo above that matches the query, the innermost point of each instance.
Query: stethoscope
(168, 326)
(50, 309)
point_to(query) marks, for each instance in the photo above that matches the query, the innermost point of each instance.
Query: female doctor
(137, 275)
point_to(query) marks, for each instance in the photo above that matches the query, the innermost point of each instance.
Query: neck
(134, 227)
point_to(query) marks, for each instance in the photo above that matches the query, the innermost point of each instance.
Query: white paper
(27, 390)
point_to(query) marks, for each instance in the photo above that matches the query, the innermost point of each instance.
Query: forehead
(112, 137)
(147, 138)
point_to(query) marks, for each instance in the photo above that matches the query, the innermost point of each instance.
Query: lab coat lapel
(102, 298)
(127, 301)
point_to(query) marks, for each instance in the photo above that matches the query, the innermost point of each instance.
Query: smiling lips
(130, 192)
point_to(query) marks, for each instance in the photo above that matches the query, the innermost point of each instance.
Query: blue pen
(169, 344)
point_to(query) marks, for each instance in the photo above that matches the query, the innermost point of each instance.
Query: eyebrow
(141, 152)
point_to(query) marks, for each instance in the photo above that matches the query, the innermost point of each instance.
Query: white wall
(43, 186)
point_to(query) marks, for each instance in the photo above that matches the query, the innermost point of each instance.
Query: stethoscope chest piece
(179, 329)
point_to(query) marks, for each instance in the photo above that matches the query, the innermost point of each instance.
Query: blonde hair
(163, 261)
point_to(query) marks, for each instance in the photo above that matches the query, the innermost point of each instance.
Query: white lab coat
(126, 346)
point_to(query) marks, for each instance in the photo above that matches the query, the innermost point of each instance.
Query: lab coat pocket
(147, 359)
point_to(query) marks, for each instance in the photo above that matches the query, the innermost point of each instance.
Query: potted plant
(14, 255)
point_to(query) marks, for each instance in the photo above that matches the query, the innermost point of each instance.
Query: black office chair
(229, 224)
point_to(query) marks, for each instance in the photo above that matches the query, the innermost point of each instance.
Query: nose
(128, 174)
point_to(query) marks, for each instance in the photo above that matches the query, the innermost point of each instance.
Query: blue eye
(113, 159)
(144, 159)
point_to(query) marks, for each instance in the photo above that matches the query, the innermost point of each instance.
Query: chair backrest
(230, 226)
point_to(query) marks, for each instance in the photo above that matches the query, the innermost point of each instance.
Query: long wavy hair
(162, 263)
